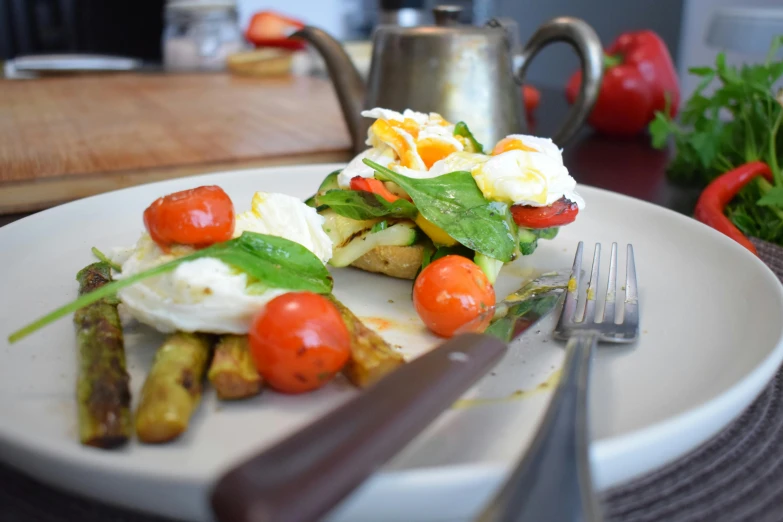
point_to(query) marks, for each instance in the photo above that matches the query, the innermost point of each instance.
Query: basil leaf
(504, 328)
(329, 183)
(275, 261)
(454, 203)
(461, 129)
(360, 204)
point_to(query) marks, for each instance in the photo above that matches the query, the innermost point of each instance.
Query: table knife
(301, 478)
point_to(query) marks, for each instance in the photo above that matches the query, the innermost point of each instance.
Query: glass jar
(200, 34)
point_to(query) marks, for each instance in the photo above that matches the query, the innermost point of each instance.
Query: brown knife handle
(308, 473)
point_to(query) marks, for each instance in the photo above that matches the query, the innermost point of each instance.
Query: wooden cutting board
(66, 138)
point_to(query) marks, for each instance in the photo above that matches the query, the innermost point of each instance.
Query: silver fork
(552, 482)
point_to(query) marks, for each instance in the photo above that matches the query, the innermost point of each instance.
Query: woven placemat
(737, 476)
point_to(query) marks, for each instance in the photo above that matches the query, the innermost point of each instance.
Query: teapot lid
(447, 19)
(447, 15)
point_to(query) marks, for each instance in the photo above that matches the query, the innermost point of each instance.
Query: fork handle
(552, 482)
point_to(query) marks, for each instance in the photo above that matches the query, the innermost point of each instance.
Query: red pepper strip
(718, 194)
(561, 212)
(375, 186)
(639, 75)
(270, 29)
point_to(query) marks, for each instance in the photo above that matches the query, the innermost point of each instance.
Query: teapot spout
(346, 80)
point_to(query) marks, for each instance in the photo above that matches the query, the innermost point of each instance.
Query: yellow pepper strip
(435, 233)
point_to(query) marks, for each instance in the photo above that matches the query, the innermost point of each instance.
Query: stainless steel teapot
(465, 73)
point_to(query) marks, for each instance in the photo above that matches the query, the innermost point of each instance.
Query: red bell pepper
(639, 79)
(561, 212)
(375, 186)
(270, 29)
(531, 97)
(718, 194)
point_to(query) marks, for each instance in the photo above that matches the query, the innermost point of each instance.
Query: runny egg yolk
(413, 152)
(507, 144)
(408, 125)
(432, 150)
(385, 132)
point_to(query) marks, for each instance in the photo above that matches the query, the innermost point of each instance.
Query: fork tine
(589, 315)
(631, 312)
(572, 295)
(611, 288)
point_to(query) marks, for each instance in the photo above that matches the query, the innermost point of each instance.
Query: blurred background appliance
(109, 27)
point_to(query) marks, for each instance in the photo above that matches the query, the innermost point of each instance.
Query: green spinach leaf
(360, 204)
(461, 129)
(454, 203)
(504, 328)
(275, 261)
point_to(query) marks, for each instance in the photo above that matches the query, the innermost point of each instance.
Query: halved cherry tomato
(198, 217)
(452, 292)
(271, 29)
(375, 186)
(561, 212)
(299, 342)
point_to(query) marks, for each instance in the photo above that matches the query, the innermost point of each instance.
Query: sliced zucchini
(329, 183)
(490, 266)
(528, 241)
(341, 229)
(400, 234)
(547, 233)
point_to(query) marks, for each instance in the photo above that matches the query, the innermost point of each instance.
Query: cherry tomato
(561, 212)
(197, 217)
(451, 292)
(299, 342)
(375, 186)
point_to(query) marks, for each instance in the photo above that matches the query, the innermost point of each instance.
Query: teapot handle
(585, 42)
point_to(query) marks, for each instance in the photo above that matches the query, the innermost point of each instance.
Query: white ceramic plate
(710, 340)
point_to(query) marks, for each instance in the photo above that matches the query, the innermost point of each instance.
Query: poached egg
(521, 170)
(207, 295)
(409, 143)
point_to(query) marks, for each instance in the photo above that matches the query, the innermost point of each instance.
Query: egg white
(431, 126)
(526, 178)
(207, 295)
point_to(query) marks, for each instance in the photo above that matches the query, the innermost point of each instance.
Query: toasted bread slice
(396, 261)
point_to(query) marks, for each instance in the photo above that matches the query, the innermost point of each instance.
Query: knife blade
(301, 478)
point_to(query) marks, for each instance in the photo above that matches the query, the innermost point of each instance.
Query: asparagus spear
(371, 356)
(102, 391)
(233, 372)
(172, 390)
